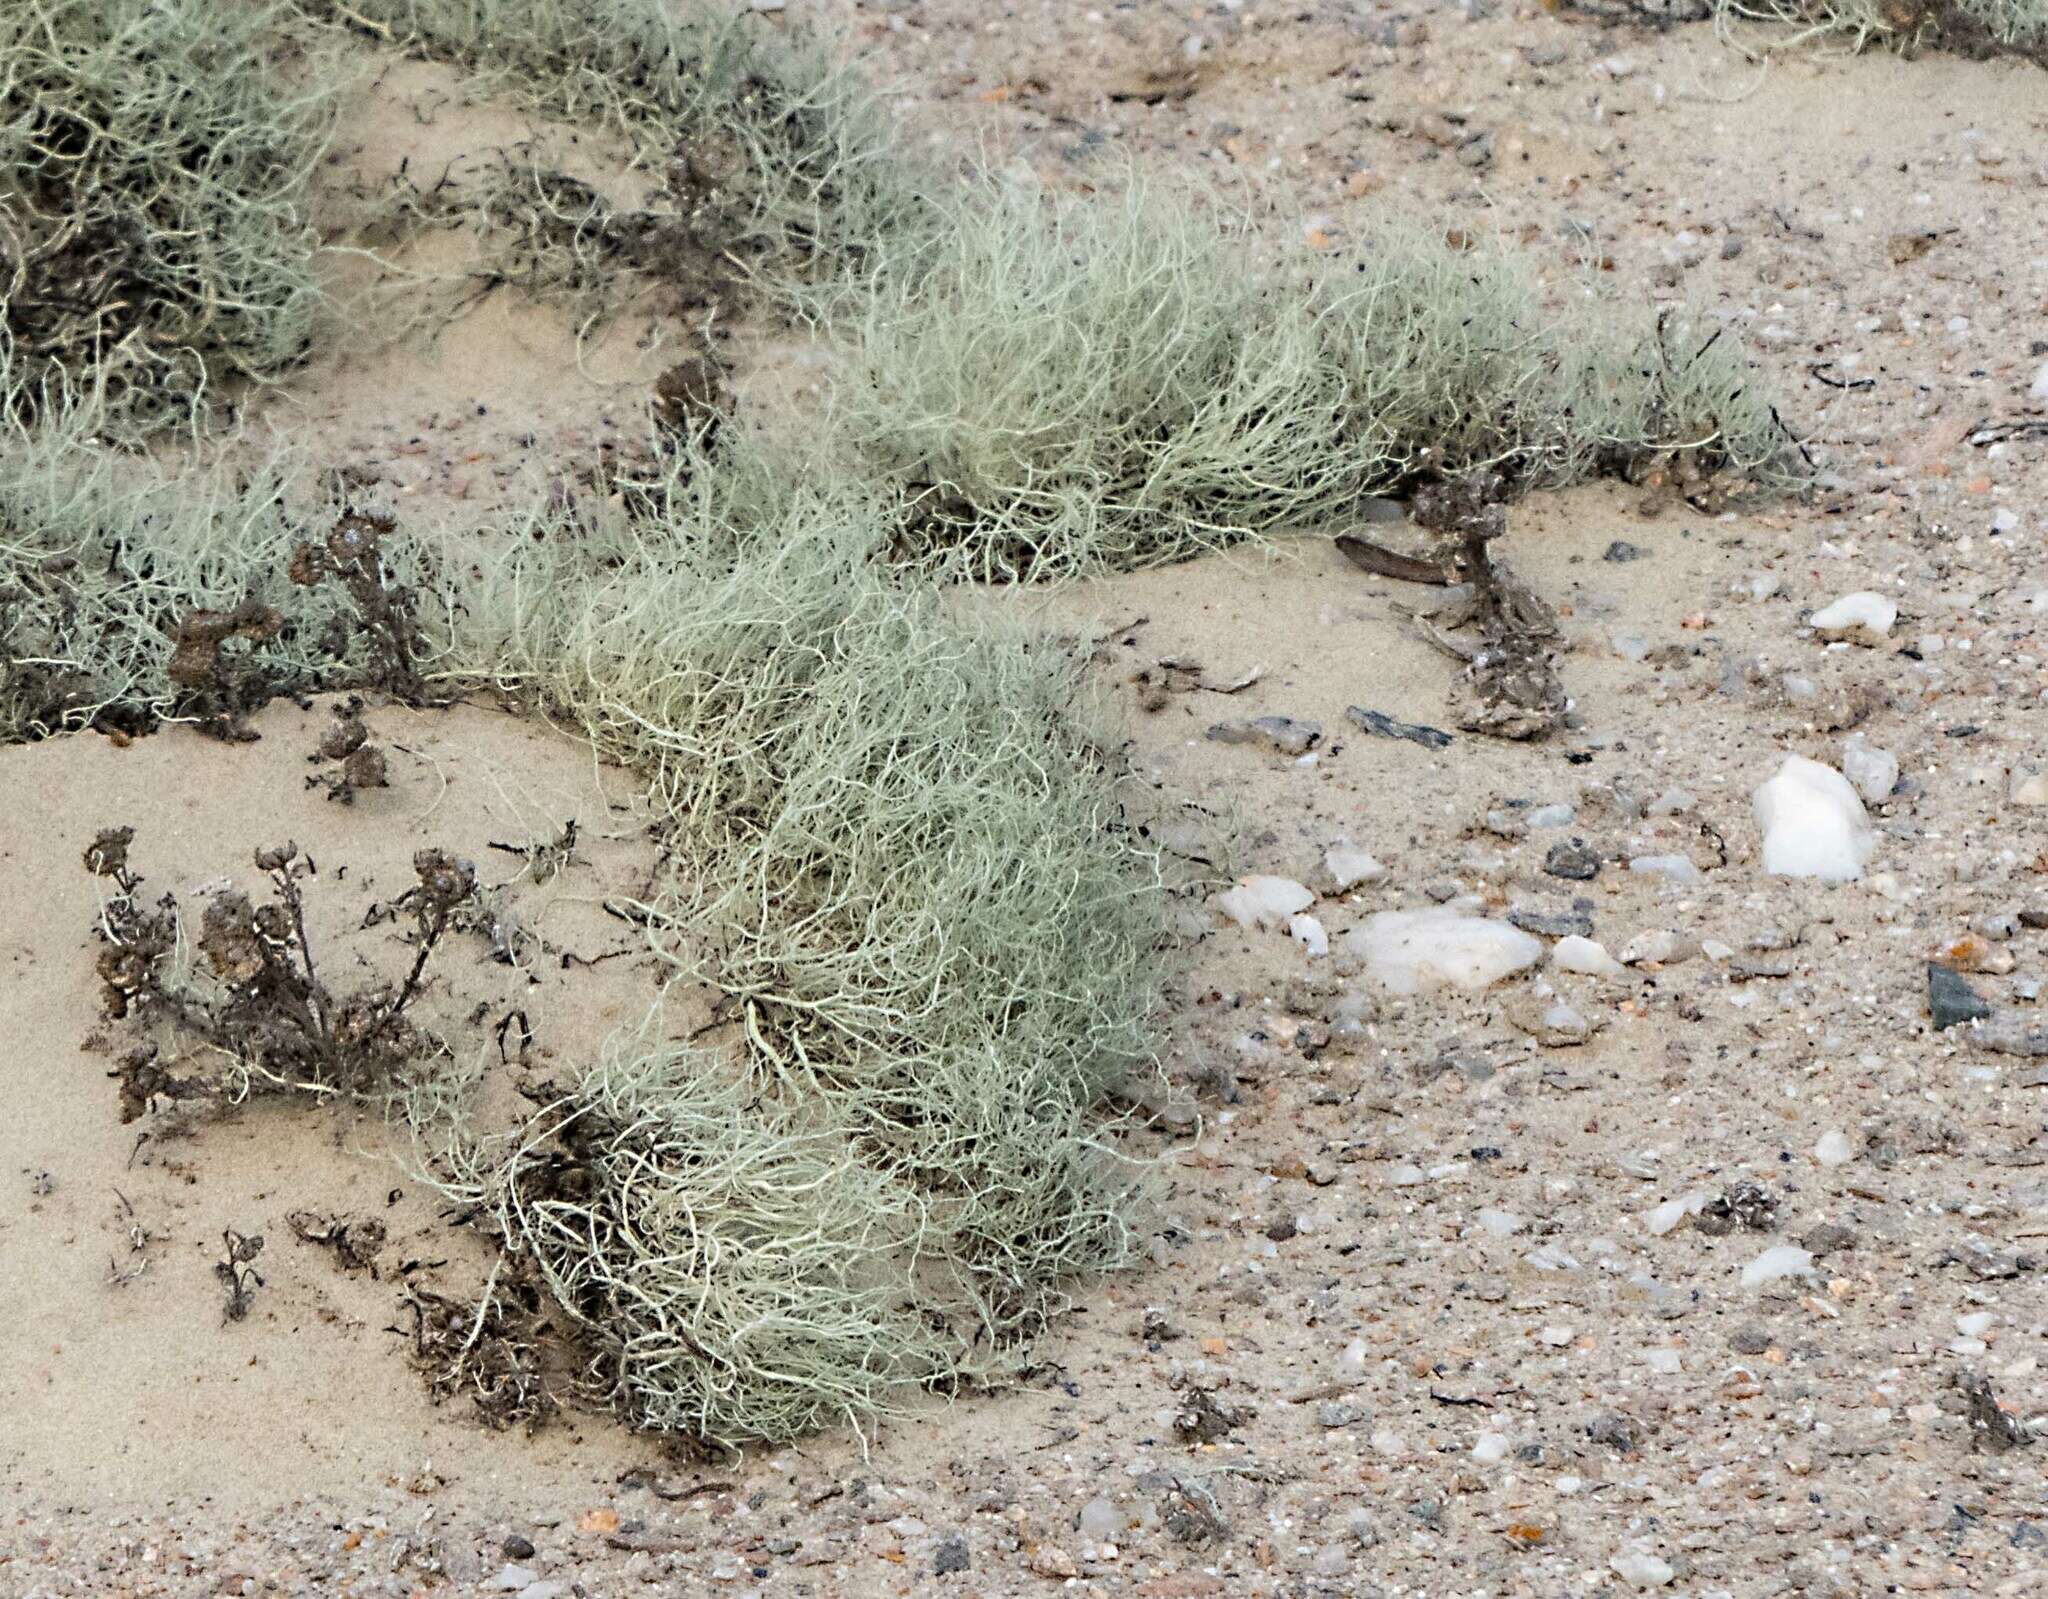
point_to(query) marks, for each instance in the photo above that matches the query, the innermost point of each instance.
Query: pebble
(1552, 924)
(1049, 1560)
(1576, 954)
(1099, 1521)
(1871, 771)
(2029, 789)
(1350, 866)
(1491, 1448)
(1410, 952)
(1264, 902)
(1332, 1560)
(1642, 1571)
(1975, 953)
(1999, 925)
(1281, 733)
(1572, 860)
(1775, 1264)
(1659, 946)
(513, 1579)
(1950, 999)
(1813, 823)
(1827, 1239)
(1666, 1217)
(951, 1555)
(1833, 1149)
(1549, 1020)
(1864, 617)
(1672, 868)
(2009, 1034)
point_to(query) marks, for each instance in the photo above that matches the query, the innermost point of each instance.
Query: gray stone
(951, 1555)
(1281, 733)
(1827, 1238)
(1572, 860)
(1951, 999)
(1551, 924)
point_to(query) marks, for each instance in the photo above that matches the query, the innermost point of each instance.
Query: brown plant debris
(237, 1271)
(352, 555)
(359, 764)
(1510, 687)
(490, 1350)
(220, 696)
(356, 1241)
(257, 1000)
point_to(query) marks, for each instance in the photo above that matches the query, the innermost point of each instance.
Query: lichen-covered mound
(1066, 384)
(1967, 27)
(898, 848)
(154, 159)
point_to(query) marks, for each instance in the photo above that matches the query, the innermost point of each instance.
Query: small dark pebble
(1828, 1238)
(1471, 1064)
(1951, 999)
(1280, 1229)
(1621, 550)
(1386, 727)
(518, 1548)
(1749, 1340)
(1573, 861)
(1613, 1432)
(951, 1555)
(1551, 924)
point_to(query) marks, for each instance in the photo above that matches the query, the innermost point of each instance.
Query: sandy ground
(1406, 1242)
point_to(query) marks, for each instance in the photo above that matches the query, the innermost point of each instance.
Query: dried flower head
(107, 854)
(276, 857)
(347, 735)
(445, 881)
(356, 536)
(365, 768)
(229, 938)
